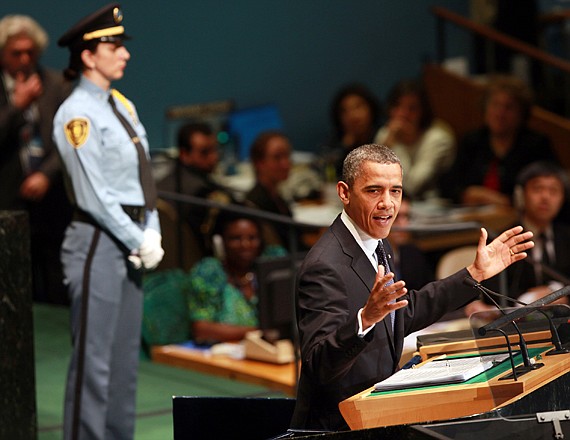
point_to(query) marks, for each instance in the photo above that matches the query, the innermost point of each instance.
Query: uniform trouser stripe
(83, 333)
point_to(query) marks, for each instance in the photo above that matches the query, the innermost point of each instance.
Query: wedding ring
(512, 253)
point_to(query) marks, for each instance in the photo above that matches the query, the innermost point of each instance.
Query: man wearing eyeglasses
(30, 168)
(198, 157)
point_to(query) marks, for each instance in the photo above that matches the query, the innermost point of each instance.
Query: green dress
(211, 297)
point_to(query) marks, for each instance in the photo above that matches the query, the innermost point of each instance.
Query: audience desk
(281, 377)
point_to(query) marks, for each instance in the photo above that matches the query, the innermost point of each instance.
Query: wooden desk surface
(274, 376)
(366, 410)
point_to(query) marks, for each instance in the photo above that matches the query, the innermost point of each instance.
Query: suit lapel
(364, 270)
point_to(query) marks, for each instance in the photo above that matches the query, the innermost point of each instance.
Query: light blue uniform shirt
(101, 160)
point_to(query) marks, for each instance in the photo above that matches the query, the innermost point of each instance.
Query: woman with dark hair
(426, 147)
(490, 157)
(115, 232)
(354, 113)
(222, 297)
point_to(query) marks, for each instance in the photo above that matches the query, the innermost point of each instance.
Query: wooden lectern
(370, 409)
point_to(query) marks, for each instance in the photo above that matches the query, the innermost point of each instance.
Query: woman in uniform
(114, 235)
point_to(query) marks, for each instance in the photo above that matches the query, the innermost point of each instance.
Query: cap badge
(117, 15)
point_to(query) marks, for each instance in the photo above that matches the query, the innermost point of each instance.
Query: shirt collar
(93, 88)
(365, 241)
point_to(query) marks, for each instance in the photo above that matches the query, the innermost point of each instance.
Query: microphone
(558, 348)
(527, 364)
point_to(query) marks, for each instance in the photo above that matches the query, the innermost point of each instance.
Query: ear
(343, 192)
(184, 156)
(87, 57)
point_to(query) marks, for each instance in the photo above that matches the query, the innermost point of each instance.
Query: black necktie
(545, 255)
(383, 260)
(145, 173)
(546, 261)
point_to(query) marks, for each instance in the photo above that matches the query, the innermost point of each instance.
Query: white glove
(136, 261)
(150, 251)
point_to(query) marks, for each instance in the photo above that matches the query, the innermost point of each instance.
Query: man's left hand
(506, 249)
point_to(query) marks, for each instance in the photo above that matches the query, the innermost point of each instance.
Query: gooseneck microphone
(527, 364)
(558, 348)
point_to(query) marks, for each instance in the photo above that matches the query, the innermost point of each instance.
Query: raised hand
(503, 251)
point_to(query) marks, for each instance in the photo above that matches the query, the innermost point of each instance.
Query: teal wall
(290, 52)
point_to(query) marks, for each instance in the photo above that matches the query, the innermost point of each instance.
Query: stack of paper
(441, 371)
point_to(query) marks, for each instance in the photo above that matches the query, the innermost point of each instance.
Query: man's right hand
(382, 298)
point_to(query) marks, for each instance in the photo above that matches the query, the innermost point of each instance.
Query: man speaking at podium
(351, 312)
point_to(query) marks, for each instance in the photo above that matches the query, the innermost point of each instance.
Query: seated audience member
(489, 158)
(354, 114)
(408, 262)
(197, 159)
(542, 188)
(426, 147)
(222, 291)
(271, 159)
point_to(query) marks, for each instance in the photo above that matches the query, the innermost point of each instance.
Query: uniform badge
(77, 131)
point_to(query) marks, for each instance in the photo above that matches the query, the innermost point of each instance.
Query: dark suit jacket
(474, 156)
(277, 234)
(194, 182)
(333, 283)
(55, 90)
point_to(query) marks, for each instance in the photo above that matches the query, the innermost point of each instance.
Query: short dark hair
(357, 89)
(229, 217)
(366, 153)
(186, 131)
(543, 169)
(259, 146)
(411, 87)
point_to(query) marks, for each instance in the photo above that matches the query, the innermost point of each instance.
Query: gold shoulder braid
(77, 131)
(123, 100)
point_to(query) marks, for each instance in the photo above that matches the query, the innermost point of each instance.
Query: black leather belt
(136, 214)
(81, 216)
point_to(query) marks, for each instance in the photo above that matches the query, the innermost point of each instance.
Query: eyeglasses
(207, 151)
(20, 52)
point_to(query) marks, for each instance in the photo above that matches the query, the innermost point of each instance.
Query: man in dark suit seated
(198, 157)
(352, 314)
(539, 196)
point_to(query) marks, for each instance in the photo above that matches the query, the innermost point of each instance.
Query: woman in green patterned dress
(222, 296)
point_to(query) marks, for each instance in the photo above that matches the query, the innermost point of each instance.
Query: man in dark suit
(29, 165)
(349, 340)
(198, 157)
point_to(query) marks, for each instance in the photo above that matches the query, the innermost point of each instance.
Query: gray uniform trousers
(101, 386)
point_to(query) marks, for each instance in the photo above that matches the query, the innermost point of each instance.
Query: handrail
(499, 37)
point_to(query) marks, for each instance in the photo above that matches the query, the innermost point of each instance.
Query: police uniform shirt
(101, 160)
